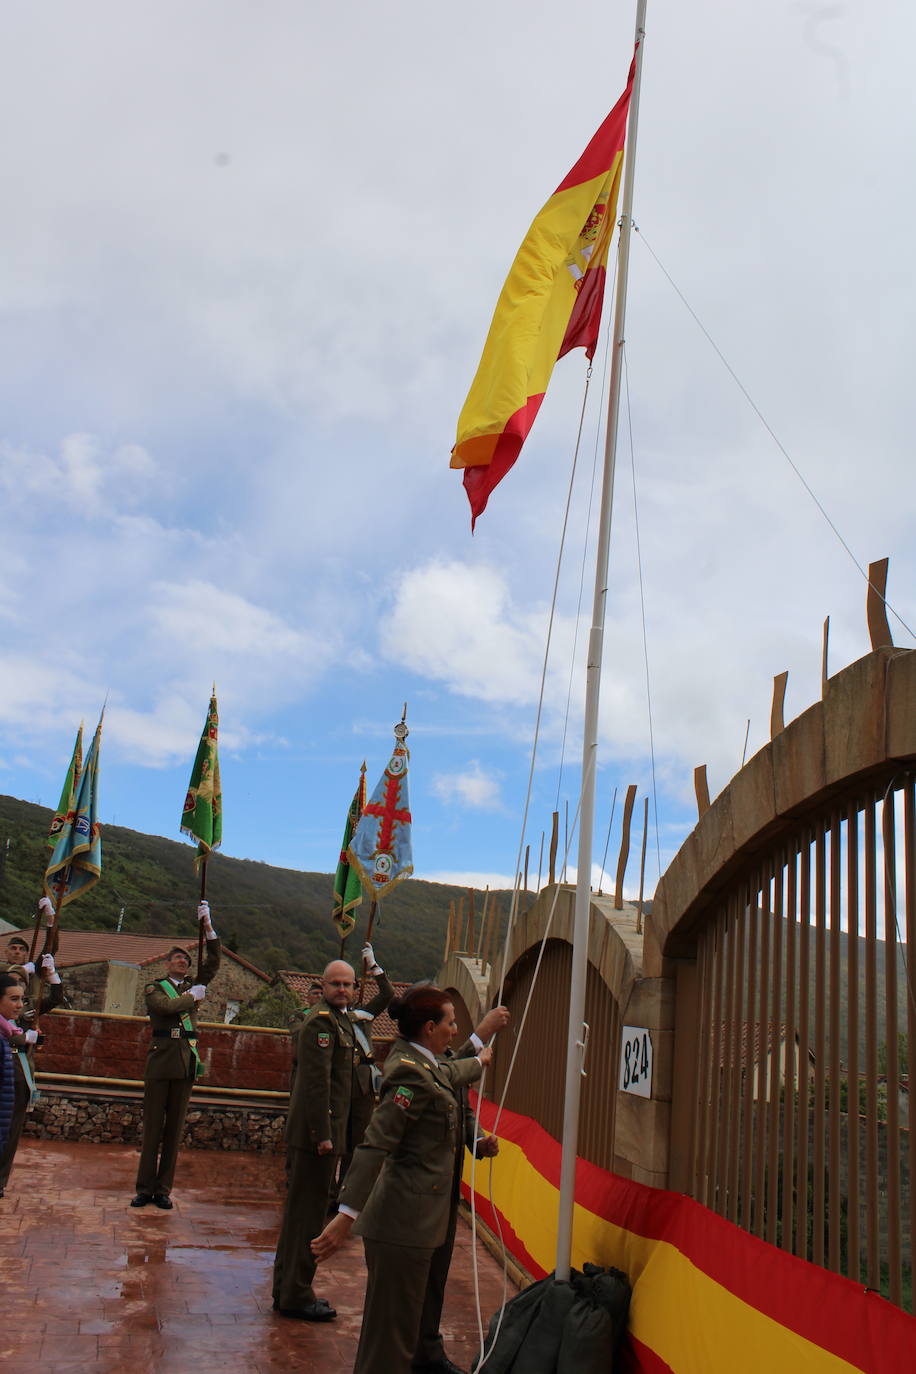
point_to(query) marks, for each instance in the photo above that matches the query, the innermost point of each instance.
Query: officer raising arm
(172, 1064)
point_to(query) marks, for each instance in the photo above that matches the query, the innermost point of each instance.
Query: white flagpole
(575, 1052)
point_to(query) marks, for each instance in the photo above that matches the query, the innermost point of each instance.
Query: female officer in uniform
(401, 1181)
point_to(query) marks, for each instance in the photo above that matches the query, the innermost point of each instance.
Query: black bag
(560, 1328)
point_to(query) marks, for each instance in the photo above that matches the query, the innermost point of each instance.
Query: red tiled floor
(104, 1288)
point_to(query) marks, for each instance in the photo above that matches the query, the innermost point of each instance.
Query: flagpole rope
(588, 526)
(513, 913)
(642, 608)
(499, 1111)
(768, 427)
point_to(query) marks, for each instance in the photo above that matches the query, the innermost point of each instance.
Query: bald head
(338, 984)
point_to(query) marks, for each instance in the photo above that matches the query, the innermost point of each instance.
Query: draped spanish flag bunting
(550, 303)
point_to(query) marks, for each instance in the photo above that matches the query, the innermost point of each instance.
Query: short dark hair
(8, 980)
(416, 1007)
(179, 949)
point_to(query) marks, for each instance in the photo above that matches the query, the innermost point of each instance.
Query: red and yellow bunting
(708, 1298)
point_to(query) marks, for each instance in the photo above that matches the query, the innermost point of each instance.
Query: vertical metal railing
(803, 1124)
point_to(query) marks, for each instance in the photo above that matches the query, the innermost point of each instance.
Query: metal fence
(536, 1084)
(805, 1018)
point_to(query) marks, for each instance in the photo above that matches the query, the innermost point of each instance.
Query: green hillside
(275, 917)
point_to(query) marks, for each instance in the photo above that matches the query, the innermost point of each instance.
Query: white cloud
(474, 788)
(468, 878)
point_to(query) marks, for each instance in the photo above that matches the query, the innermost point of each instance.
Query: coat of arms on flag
(381, 848)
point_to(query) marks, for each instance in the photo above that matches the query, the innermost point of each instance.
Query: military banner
(202, 817)
(348, 890)
(75, 864)
(381, 850)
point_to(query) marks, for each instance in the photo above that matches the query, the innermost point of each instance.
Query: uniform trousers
(428, 1347)
(396, 1292)
(21, 1097)
(309, 1176)
(165, 1103)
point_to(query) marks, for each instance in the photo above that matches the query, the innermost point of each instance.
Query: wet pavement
(93, 1287)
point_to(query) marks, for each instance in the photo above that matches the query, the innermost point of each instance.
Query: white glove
(31, 1037)
(198, 992)
(203, 912)
(45, 904)
(27, 968)
(47, 962)
(370, 963)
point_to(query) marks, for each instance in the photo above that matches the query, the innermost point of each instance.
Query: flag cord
(588, 526)
(515, 895)
(485, 1354)
(642, 608)
(768, 427)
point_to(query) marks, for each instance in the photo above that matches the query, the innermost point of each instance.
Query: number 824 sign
(635, 1061)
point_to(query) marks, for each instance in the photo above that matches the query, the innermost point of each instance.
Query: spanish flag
(550, 303)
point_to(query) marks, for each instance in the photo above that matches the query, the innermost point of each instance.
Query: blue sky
(247, 264)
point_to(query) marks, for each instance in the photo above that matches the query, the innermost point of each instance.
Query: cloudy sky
(248, 258)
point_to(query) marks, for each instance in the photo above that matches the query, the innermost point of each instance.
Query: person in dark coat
(47, 994)
(11, 999)
(401, 1186)
(316, 1135)
(172, 1065)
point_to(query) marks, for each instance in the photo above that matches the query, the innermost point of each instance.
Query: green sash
(168, 987)
(26, 1065)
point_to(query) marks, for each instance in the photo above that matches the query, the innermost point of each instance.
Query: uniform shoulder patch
(324, 1040)
(403, 1098)
(151, 987)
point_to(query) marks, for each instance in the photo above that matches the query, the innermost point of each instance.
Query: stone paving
(93, 1287)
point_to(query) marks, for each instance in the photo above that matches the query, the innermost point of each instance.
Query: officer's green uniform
(402, 1184)
(168, 1076)
(362, 1100)
(23, 1069)
(319, 1109)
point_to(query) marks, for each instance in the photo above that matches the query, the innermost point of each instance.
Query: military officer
(409, 1157)
(366, 1077)
(49, 996)
(316, 1134)
(172, 1064)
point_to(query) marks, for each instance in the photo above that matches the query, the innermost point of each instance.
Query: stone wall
(85, 986)
(73, 1115)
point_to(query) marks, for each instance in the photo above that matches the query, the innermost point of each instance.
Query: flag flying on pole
(75, 864)
(550, 303)
(348, 890)
(202, 817)
(65, 806)
(381, 849)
